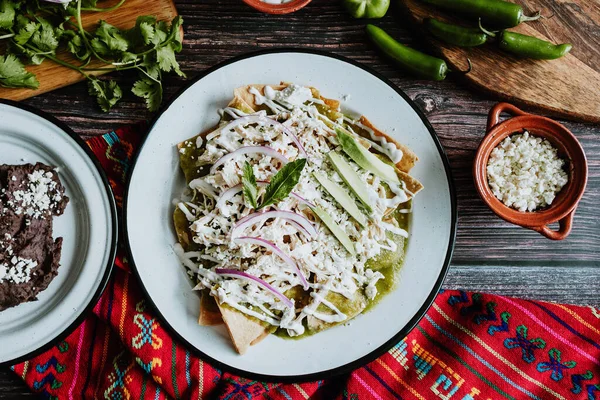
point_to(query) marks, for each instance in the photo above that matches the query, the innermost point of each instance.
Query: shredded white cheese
(332, 267)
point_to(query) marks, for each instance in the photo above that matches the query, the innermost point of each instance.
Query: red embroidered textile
(469, 346)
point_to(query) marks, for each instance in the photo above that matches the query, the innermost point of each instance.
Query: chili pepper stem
(464, 72)
(534, 17)
(468, 69)
(489, 33)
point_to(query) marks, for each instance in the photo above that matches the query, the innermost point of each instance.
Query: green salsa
(388, 263)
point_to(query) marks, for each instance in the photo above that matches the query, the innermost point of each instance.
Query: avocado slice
(342, 197)
(351, 178)
(337, 231)
(365, 159)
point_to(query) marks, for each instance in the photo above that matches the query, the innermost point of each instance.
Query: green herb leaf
(109, 40)
(25, 29)
(147, 32)
(161, 32)
(283, 182)
(7, 14)
(14, 75)
(142, 33)
(107, 93)
(149, 90)
(175, 33)
(76, 46)
(249, 183)
(151, 66)
(166, 59)
(45, 38)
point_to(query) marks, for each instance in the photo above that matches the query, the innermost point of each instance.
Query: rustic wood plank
(13, 388)
(217, 30)
(558, 284)
(569, 86)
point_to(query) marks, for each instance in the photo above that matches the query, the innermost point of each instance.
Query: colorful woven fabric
(469, 346)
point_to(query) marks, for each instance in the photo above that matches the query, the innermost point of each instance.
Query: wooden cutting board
(53, 76)
(568, 87)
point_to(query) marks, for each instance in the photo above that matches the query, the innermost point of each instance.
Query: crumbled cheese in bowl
(525, 172)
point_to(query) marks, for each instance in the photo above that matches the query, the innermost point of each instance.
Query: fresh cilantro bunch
(35, 30)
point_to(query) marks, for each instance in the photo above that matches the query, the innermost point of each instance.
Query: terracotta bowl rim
(284, 8)
(566, 204)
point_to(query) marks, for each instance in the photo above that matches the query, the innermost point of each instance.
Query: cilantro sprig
(35, 31)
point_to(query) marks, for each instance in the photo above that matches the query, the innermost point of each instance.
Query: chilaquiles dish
(297, 215)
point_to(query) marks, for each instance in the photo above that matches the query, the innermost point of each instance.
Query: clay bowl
(569, 149)
(284, 8)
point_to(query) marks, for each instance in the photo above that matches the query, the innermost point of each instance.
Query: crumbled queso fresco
(525, 172)
(38, 197)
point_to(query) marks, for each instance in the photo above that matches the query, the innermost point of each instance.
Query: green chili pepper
(367, 8)
(528, 46)
(531, 47)
(454, 34)
(497, 13)
(412, 60)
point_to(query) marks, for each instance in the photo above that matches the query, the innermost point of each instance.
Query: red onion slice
(260, 216)
(301, 199)
(273, 247)
(302, 229)
(234, 273)
(264, 121)
(266, 150)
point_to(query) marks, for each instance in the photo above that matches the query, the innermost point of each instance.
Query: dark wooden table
(490, 255)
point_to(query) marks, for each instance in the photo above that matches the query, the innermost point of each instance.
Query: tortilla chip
(240, 104)
(412, 185)
(243, 94)
(209, 310)
(408, 159)
(333, 104)
(244, 331)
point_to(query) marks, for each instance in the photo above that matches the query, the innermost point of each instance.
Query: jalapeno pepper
(454, 34)
(411, 60)
(528, 46)
(497, 13)
(367, 8)
(531, 47)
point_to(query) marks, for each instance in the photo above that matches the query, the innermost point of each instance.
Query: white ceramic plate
(88, 228)
(156, 179)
